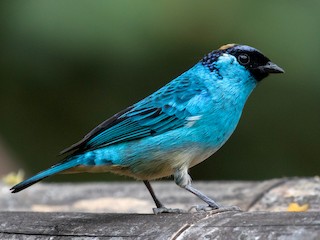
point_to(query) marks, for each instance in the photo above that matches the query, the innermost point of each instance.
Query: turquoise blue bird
(173, 129)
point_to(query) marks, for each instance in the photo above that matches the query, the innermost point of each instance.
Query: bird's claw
(202, 208)
(167, 210)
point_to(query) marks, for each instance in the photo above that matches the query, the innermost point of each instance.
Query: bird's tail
(44, 174)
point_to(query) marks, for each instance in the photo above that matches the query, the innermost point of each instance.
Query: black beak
(270, 67)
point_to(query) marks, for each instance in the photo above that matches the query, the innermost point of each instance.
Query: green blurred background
(65, 66)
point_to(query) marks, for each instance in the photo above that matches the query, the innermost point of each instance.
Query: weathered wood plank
(256, 225)
(95, 225)
(121, 197)
(99, 200)
(133, 197)
(225, 225)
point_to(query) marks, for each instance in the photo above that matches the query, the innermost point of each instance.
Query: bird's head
(245, 57)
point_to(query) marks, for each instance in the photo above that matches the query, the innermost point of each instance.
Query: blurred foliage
(65, 66)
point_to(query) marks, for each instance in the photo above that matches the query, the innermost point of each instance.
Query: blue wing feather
(162, 111)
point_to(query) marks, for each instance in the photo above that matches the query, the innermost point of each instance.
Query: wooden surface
(227, 225)
(124, 211)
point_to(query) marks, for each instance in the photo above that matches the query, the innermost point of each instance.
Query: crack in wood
(262, 194)
(180, 231)
(65, 235)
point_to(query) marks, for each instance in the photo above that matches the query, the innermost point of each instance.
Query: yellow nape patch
(224, 47)
(295, 207)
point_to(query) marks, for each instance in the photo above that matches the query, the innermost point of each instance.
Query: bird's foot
(202, 208)
(167, 210)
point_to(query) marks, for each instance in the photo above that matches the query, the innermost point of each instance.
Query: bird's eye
(243, 59)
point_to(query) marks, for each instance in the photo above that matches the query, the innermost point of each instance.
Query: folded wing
(165, 110)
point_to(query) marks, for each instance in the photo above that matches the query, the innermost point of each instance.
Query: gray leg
(155, 199)
(212, 204)
(160, 207)
(182, 179)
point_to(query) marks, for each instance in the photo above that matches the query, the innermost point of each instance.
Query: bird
(173, 129)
